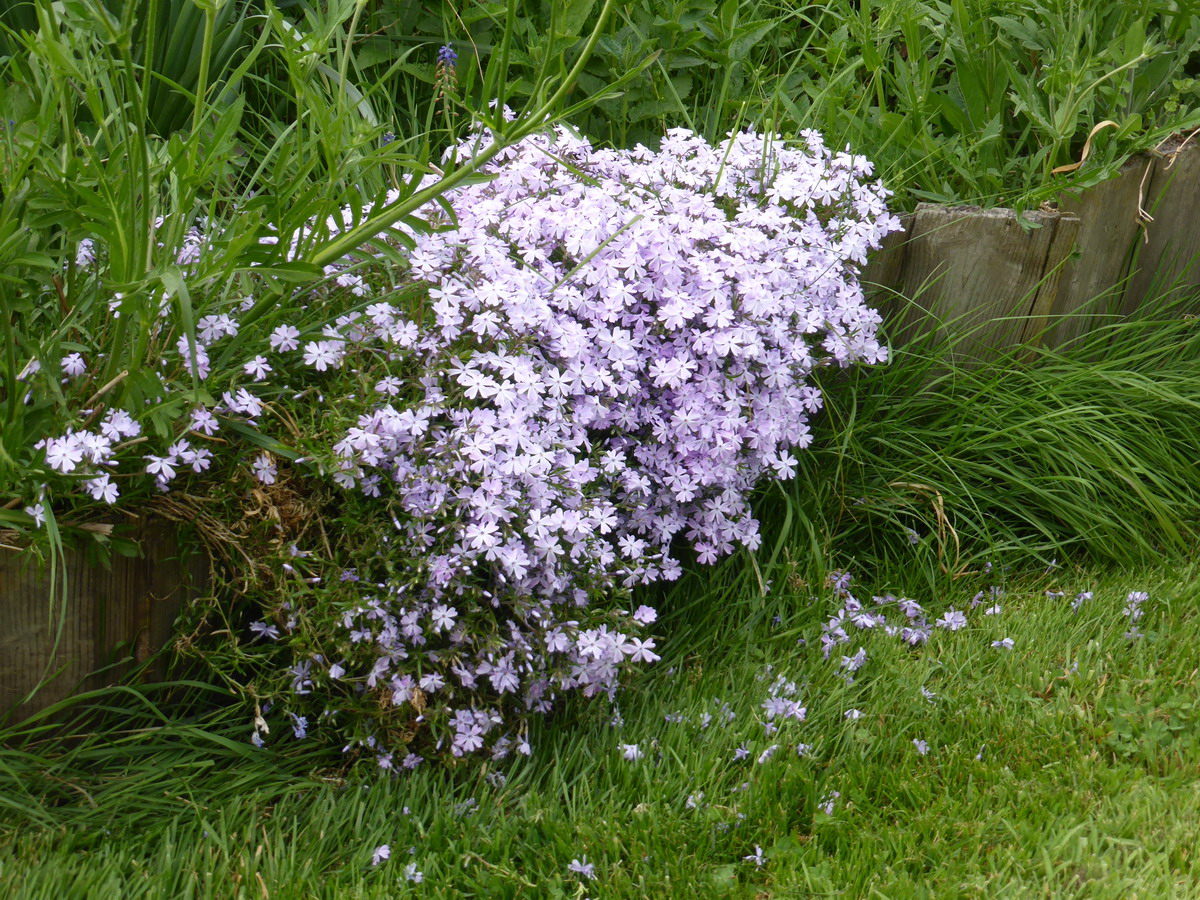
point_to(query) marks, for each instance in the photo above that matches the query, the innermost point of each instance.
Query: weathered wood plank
(124, 611)
(1093, 284)
(980, 270)
(1041, 325)
(1167, 261)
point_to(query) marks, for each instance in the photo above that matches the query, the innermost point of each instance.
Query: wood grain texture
(107, 619)
(1091, 262)
(1093, 284)
(1167, 261)
(980, 270)
(1046, 308)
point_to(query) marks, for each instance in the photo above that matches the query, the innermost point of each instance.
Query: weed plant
(963, 101)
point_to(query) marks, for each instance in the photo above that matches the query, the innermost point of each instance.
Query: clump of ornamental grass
(574, 381)
(1085, 453)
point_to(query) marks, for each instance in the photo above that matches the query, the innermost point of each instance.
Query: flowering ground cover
(575, 530)
(744, 765)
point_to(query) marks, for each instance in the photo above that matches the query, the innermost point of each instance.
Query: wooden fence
(1097, 257)
(109, 618)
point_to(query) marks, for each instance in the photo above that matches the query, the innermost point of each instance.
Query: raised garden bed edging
(120, 614)
(1096, 258)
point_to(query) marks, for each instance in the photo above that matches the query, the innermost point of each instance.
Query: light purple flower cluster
(618, 347)
(1134, 612)
(590, 371)
(853, 616)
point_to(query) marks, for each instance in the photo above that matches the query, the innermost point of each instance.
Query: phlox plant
(569, 388)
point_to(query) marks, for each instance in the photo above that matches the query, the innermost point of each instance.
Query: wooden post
(1168, 260)
(1093, 284)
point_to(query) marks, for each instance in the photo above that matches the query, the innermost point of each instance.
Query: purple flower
(262, 629)
(64, 453)
(323, 355)
(203, 421)
(382, 852)
(641, 651)
(855, 662)
(952, 620)
(264, 468)
(258, 368)
(73, 365)
(645, 615)
(283, 338)
(840, 581)
(162, 467)
(38, 513)
(102, 488)
(582, 867)
(922, 746)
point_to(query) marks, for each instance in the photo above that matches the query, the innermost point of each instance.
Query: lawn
(576, 528)
(1063, 766)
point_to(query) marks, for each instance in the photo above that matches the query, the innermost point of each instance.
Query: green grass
(1085, 783)
(1087, 451)
(969, 101)
(1084, 789)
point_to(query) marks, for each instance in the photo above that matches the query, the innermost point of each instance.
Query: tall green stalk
(530, 123)
(210, 7)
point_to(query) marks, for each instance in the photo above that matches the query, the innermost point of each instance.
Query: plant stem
(347, 241)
